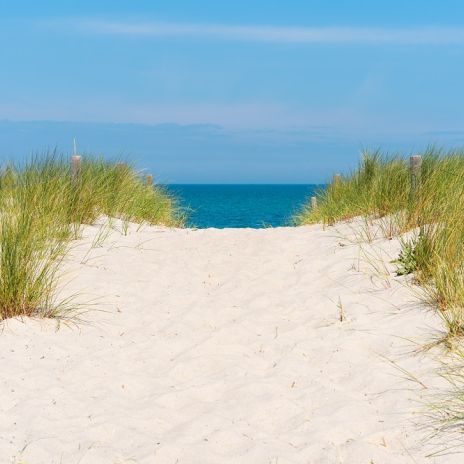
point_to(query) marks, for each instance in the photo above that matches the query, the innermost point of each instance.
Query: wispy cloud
(302, 35)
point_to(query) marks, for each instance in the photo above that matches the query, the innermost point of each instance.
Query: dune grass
(379, 191)
(430, 225)
(42, 208)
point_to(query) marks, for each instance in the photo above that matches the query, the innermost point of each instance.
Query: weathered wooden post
(313, 202)
(415, 164)
(76, 162)
(149, 180)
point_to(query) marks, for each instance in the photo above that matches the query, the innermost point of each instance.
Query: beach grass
(43, 208)
(428, 220)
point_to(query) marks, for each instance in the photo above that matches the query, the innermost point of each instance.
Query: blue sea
(235, 205)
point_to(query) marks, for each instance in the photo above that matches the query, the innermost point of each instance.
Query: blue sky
(231, 91)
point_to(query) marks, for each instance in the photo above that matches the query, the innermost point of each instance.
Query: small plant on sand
(407, 261)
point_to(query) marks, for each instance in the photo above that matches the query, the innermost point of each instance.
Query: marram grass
(379, 190)
(42, 208)
(433, 250)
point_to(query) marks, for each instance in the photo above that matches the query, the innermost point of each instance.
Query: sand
(222, 346)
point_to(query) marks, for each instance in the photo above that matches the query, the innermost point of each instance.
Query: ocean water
(255, 206)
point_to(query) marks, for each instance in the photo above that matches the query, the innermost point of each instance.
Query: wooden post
(149, 180)
(337, 178)
(76, 166)
(415, 163)
(313, 202)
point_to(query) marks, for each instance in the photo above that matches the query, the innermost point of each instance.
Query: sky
(232, 91)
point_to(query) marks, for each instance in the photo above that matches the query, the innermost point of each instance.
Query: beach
(284, 345)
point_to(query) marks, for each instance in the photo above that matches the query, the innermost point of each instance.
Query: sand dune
(221, 346)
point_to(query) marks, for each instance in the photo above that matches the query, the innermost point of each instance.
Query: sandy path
(218, 346)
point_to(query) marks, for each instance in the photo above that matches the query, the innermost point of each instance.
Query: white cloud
(303, 35)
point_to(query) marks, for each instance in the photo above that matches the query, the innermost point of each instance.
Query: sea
(239, 205)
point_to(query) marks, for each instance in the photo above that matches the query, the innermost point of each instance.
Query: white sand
(221, 346)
